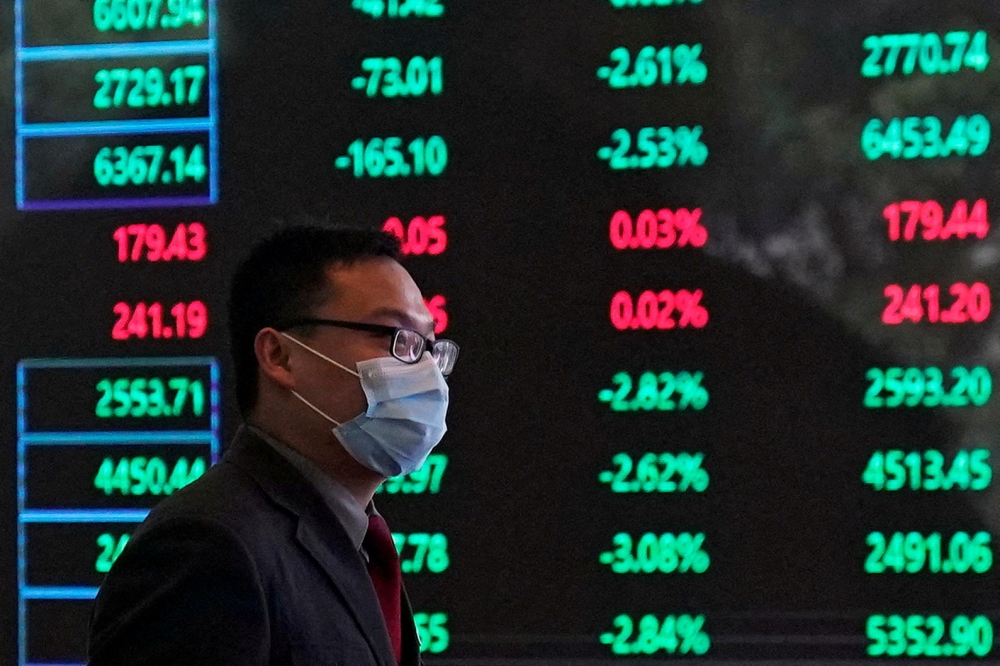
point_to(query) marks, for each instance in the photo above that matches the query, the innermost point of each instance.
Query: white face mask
(405, 419)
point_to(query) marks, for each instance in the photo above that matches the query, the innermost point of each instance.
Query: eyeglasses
(407, 345)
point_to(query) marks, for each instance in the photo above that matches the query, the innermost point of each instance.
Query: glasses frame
(376, 328)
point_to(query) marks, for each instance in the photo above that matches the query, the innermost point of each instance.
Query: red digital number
(420, 235)
(971, 304)
(655, 310)
(658, 229)
(437, 305)
(151, 242)
(183, 320)
(906, 217)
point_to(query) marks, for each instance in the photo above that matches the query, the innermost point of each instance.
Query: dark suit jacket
(246, 566)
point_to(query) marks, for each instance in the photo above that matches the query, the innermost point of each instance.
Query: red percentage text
(658, 229)
(656, 310)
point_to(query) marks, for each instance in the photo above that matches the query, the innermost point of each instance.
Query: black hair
(284, 278)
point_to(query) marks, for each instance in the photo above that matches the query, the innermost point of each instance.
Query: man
(277, 555)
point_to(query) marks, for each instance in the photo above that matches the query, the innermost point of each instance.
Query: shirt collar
(345, 507)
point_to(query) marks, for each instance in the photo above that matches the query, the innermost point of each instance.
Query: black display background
(793, 276)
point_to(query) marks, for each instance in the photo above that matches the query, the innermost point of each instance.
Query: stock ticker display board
(721, 271)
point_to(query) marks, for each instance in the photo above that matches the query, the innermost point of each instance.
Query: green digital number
(914, 553)
(398, 9)
(136, 15)
(389, 77)
(621, 4)
(925, 387)
(149, 398)
(427, 479)
(432, 630)
(378, 158)
(965, 50)
(429, 552)
(138, 88)
(143, 165)
(674, 634)
(923, 138)
(930, 636)
(146, 476)
(110, 548)
(896, 470)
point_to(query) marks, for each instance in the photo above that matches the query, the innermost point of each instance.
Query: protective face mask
(405, 419)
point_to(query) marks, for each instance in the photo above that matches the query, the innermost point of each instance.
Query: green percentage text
(674, 634)
(657, 473)
(658, 147)
(665, 392)
(657, 553)
(669, 65)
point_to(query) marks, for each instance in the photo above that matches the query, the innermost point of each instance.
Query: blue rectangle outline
(213, 102)
(98, 437)
(116, 204)
(61, 593)
(20, 187)
(22, 564)
(132, 515)
(78, 516)
(111, 127)
(116, 50)
(127, 128)
(125, 362)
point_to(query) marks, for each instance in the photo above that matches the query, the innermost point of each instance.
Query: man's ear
(271, 349)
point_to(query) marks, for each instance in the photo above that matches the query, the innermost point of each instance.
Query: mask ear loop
(322, 356)
(325, 358)
(315, 408)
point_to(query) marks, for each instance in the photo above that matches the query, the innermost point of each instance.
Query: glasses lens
(408, 346)
(445, 353)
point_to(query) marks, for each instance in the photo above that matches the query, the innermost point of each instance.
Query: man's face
(371, 291)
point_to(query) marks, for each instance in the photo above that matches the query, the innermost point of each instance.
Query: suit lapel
(411, 642)
(319, 532)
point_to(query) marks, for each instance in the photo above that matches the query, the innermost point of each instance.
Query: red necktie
(383, 567)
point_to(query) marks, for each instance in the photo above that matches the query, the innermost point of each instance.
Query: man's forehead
(377, 289)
